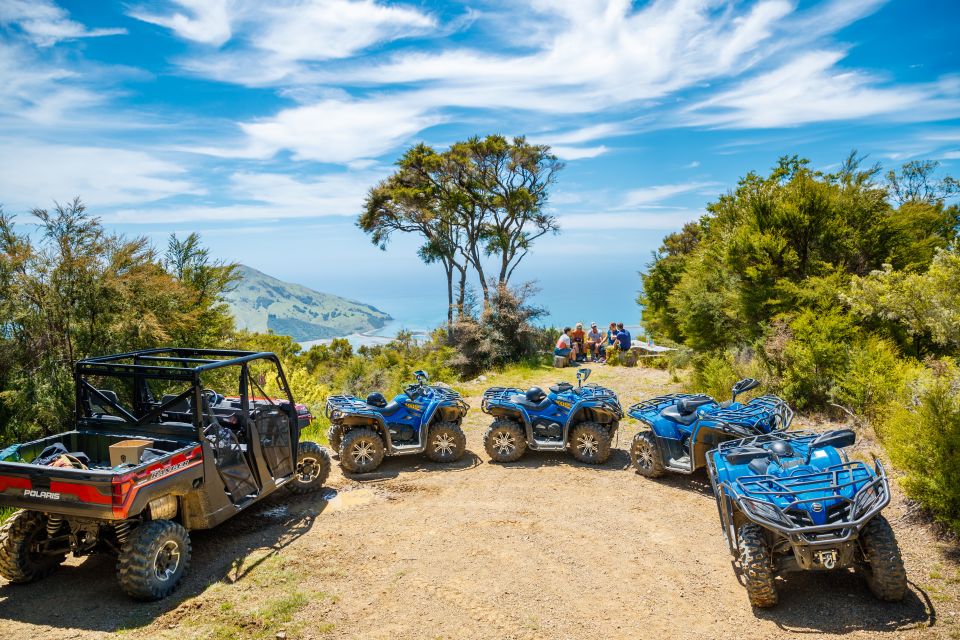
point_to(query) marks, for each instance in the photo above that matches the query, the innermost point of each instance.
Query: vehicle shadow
(840, 603)
(84, 594)
(618, 461)
(395, 466)
(697, 482)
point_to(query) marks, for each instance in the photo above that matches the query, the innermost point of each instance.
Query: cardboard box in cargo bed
(128, 451)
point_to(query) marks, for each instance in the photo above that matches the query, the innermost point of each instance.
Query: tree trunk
(448, 269)
(462, 292)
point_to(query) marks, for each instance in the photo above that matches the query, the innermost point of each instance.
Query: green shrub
(922, 436)
(875, 375)
(816, 357)
(714, 374)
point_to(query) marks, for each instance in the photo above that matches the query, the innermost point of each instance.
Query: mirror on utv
(838, 438)
(421, 376)
(745, 385)
(746, 455)
(582, 374)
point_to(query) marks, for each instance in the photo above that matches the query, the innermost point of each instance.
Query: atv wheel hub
(587, 445)
(644, 456)
(444, 444)
(363, 452)
(504, 443)
(307, 470)
(167, 560)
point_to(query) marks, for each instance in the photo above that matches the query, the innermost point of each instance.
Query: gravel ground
(544, 548)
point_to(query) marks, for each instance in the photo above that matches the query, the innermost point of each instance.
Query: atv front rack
(851, 493)
(500, 396)
(752, 415)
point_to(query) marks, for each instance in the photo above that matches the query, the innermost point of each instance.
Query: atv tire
(334, 437)
(18, 563)
(882, 564)
(756, 564)
(446, 442)
(361, 451)
(645, 455)
(590, 443)
(153, 560)
(313, 468)
(505, 441)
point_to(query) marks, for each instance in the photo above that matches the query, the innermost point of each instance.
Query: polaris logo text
(33, 493)
(159, 473)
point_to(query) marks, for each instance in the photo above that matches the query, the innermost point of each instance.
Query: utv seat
(685, 411)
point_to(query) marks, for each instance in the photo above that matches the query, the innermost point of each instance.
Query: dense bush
(501, 334)
(922, 436)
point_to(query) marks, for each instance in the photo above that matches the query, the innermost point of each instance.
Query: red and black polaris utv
(153, 453)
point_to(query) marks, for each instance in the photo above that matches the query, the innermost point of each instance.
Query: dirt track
(545, 548)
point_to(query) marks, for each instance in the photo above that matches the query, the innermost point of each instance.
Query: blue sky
(262, 124)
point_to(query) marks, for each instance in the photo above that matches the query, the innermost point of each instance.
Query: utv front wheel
(757, 566)
(645, 455)
(361, 451)
(504, 441)
(882, 563)
(590, 443)
(446, 442)
(334, 437)
(153, 560)
(313, 468)
(20, 560)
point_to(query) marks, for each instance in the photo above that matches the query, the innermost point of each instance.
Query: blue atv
(796, 502)
(684, 427)
(582, 419)
(424, 418)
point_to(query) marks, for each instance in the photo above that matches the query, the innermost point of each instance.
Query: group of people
(577, 345)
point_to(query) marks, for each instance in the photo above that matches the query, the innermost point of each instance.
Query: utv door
(271, 418)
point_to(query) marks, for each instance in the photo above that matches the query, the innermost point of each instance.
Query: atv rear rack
(658, 404)
(347, 405)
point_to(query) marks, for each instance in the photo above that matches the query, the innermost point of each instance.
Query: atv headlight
(766, 511)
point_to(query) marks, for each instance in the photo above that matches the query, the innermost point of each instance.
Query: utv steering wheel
(212, 397)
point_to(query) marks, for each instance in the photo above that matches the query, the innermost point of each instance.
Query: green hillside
(260, 302)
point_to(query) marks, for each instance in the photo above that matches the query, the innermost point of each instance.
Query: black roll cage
(170, 364)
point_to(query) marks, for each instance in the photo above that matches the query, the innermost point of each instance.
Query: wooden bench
(560, 362)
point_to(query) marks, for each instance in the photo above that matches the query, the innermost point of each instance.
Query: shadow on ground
(841, 603)
(86, 595)
(394, 466)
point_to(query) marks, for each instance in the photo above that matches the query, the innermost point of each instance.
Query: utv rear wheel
(446, 442)
(361, 451)
(313, 468)
(757, 566)
(153, 560)
(590, 443)
(334, 437)
(645, 455)
(882, 564)
(20, 560)
(504, 441)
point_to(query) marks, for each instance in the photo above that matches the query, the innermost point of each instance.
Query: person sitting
(577, 337)
(594, 340)
(565, 346)
(610, 341)
(623, 337)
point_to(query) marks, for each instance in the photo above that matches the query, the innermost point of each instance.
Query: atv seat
(388, 410)
(685, 411)
(523, 401)
(561, 387)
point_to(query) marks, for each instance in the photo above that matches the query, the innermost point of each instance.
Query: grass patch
(6, 512)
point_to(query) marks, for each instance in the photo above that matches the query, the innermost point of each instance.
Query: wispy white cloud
(566, 152)
(205, 21)
(45, 23)
(272, 41)
(337, 129)
(811, 88)
(36, 174)
(662, 192)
